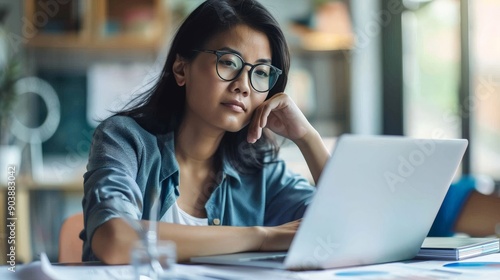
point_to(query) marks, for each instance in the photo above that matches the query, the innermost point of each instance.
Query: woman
(197, 138)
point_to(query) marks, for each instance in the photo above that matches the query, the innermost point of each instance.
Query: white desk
(423, 270)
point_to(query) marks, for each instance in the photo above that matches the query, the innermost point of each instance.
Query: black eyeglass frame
(219, 54)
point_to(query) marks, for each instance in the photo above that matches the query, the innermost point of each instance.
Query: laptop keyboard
(276, 258)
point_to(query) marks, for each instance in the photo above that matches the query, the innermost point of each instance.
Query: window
(431, 62)
(485, 95)
(431, 67)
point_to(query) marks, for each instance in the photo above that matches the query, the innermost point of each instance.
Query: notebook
(457, 248)
(376, 200)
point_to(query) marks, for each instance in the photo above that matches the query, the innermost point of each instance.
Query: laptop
(377, 198)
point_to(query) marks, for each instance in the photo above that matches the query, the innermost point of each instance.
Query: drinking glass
(154, 261)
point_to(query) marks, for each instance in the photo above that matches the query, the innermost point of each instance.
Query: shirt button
(216, 222)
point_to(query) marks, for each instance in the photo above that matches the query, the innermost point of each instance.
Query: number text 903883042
(11, 218)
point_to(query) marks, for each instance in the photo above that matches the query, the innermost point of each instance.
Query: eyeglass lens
(262, 76)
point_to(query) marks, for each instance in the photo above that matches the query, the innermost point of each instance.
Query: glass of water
(154, 261)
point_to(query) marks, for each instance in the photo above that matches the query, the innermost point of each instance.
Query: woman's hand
(281, 115)
(280, 237)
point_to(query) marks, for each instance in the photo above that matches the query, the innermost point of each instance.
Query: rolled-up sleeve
(288, 194)
(110, 187)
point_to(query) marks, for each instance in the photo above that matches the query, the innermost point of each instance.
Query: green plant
(10, 71)
(8, 76)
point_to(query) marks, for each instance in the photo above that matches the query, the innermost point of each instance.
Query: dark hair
(161, 108)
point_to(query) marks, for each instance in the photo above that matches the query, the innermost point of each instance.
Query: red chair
(70, 244)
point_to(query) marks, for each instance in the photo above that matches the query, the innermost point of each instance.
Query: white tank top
(177, 216)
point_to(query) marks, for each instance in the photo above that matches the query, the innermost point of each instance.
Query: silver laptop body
(376, 201)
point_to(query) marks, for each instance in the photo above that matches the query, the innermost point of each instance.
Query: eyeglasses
(229, 66)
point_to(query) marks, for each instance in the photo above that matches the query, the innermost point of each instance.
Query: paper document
(484, 268)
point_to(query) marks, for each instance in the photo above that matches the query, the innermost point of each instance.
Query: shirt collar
(170, 165)
(229, 169)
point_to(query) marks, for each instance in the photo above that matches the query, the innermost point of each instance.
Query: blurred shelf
(55, 175)
(75, 42)
(97, 24)
(313, 40)
(28, 184)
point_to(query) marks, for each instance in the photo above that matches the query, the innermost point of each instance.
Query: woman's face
(220, 104)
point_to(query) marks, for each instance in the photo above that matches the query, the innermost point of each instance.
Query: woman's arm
(113, 240)
(315, 153)
(282, 116)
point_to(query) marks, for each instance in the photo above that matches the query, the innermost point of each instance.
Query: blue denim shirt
(126, 162)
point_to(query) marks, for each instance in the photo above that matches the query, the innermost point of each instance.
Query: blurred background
(421, 68)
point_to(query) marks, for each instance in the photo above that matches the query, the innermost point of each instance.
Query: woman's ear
(178, 70)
